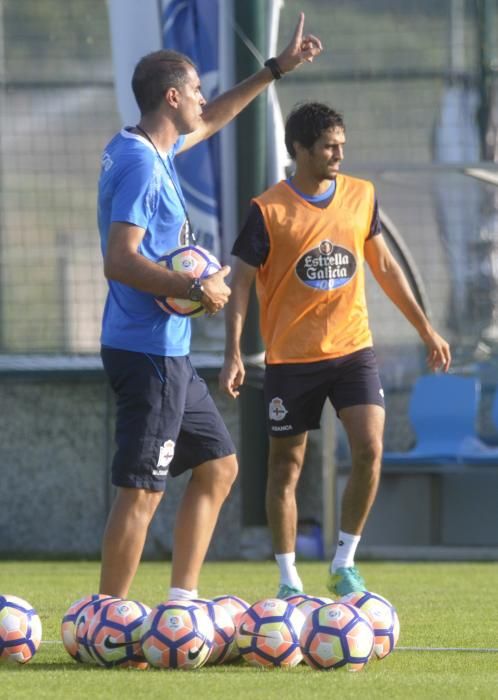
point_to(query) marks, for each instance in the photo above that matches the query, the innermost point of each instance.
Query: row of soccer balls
(188, 634)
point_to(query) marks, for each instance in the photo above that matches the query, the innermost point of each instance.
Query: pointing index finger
(298, 32)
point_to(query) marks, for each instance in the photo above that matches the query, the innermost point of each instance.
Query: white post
(226, 64)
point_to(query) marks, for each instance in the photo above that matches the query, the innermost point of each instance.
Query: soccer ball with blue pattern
(382, 615)
(20, 629)
(224, 631)
(68, 624)
(81, 626)
(337, 636)
(268, 633)
(115, 632)
(177, 634)
(197, 262)
(310, 603)
(235, 607)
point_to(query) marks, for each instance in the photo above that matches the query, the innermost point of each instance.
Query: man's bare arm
(392, 280)
(219, 112)
(232, 374)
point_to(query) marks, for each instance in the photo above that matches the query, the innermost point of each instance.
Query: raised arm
(393, 282)
(219, 112)
(232, 374)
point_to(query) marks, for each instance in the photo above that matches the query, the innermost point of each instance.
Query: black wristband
(275, 69)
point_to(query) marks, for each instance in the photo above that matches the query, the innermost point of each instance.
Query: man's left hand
(438, 352)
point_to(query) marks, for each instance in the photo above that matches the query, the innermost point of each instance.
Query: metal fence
(416, 81)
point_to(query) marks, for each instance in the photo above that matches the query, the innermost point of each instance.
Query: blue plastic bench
(442, 413)
(477, 452)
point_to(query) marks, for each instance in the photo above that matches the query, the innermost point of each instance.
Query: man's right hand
(215, 291)
(300, 49)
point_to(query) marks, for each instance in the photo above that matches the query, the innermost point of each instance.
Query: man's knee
(368, 453)
(217, 474)
(226, 470)
(284, 471)
(140, 501)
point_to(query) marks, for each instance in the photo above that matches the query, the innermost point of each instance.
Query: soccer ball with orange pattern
(382, 615)
(336, 636)
(235, 607)
(197, 262)
(177, 634)
(268, 633)
(297, 598)
(20, 629)
(224, 630)
(311, 603)
(82, 624)
(68, 624)
(115, 632)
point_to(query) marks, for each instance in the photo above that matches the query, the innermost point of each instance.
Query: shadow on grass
(236, 666)
(51, 666)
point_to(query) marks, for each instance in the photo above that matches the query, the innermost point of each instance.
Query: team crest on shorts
(277, 409)
(166, 452)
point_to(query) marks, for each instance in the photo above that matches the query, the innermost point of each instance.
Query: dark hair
(306, 123)
(156, 73)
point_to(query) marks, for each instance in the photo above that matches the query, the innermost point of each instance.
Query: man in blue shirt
(166, 420)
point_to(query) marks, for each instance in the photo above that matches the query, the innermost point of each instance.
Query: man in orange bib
(305, 242)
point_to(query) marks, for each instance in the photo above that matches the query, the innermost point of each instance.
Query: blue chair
(494, 410)
(477, 452)
(442, 413)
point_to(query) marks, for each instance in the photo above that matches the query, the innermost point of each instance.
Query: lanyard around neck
(189, 236)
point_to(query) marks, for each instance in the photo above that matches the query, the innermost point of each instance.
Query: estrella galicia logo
(326, 267)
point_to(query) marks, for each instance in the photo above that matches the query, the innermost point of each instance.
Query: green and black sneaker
(345, 580)
(286, 591)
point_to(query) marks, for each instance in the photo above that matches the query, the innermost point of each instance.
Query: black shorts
(166, 420)
(295, 393)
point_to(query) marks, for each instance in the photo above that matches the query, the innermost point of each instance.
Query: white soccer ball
(197, 262)
(20, 629)
(337, 636)
(268, 633)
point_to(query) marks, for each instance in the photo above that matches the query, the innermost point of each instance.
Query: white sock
(346, 549)
(288, 571)
(182, 594)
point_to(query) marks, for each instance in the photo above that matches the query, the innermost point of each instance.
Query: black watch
(275, 69)
(196, 290)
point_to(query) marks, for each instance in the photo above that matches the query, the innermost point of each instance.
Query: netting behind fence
(57, 111)
(415, 83)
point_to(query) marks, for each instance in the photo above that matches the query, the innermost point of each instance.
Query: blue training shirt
(136, 187)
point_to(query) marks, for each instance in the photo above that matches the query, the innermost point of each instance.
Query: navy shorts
(295, 393)
(166, 420)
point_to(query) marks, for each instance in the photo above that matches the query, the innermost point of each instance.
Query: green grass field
(439, 605)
